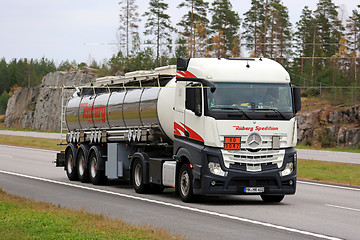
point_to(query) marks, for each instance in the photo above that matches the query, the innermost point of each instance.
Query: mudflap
(60, 159)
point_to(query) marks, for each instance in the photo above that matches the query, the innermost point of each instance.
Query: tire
(272, 198)
(70, 168)
(185, 183)
(97, 176)
(138, 177)
(82, 168)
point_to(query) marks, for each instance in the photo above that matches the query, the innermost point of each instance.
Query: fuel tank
(123, 108)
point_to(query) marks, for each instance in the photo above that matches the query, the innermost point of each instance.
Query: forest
(321, 50)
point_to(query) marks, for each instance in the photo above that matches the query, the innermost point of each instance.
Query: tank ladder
(63, 127)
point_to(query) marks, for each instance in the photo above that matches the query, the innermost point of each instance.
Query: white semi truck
(209, 127)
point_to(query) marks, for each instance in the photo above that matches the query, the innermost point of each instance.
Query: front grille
(264, 159)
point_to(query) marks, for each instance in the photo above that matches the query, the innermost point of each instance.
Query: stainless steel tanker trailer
(195, 127)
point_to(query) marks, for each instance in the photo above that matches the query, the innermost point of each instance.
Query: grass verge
(332, 172)
(43, 143)
(2, 127)
(25, 219)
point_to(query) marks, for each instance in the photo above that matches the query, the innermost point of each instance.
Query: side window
(193, 100)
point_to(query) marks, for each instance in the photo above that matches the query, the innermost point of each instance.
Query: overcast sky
(78, 29)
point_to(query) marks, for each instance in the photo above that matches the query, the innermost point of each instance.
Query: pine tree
(353, 41)
(306, 38)
(219, 46)
(4, 97)
(330, 29)
(158, 24)
(330, 32)
(192, 21)
(278, 31)
(201, 39)
(4, 76)
(235, 51)
(180, 49)
(254, 25)
(225, 23)
(305, 33)
(129, 19)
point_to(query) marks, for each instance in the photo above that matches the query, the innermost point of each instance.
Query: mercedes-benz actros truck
(204, 127)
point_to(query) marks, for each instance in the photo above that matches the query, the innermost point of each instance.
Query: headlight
(289, 168)
(215, 168)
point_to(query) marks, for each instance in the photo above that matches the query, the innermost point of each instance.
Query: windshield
(249, 97)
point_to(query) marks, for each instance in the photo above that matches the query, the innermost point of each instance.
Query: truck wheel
(138, 177)
(272, 198)
(97, 176)
(82, 169)
(185, 183)
(70, 166)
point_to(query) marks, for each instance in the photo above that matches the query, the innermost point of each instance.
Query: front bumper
(235, 182)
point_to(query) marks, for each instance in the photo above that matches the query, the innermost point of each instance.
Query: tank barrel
(127, 108)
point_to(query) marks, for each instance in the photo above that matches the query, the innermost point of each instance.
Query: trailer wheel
(272, 198)
(138, 177)
(97, 176)
(82, 169)
(185, 183)
(70, 167)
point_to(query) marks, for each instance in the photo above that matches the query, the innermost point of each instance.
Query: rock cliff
(40, 107)
(330, 126)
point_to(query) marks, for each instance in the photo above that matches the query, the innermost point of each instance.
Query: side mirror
(297, 98)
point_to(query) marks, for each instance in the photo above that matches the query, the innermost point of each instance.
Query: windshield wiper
(233, 108)
(275, 110)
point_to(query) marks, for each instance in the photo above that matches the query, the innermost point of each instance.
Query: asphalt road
(331, 156)
(315, 211)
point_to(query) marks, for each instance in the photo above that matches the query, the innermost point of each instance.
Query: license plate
(232, 143)
(254, 189)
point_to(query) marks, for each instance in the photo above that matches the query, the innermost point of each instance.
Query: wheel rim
(93, 166)
(70, 163)
(185, 183)
(81, 165)
(138, 175)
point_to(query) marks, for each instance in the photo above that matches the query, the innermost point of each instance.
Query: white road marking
(330, 186)
(8, 156)
(192, 209)
(341, 207)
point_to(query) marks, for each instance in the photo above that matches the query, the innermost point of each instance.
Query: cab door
(194, 112)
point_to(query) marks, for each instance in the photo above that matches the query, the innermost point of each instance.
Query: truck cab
(234, 123)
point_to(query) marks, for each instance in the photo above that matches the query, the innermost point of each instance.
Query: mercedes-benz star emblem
(254, 140)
